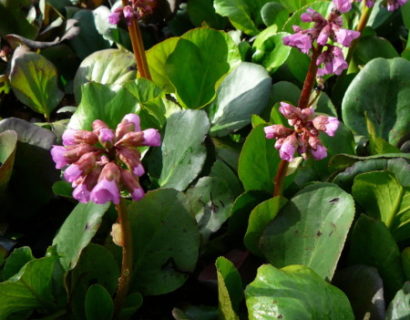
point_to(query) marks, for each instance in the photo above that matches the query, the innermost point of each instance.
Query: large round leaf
(165, 240)
(34, 82)
(243, 92)
(183, 152)
(311, 229)
(381, 91)
(294, 292)
(110, 66)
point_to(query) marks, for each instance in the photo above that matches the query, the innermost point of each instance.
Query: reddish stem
(138, 47)
(127, 259)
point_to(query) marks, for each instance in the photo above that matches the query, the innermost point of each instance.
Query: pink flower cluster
(99, 163)
(346, 5)
(136, 9)
(304, 137)
(323, 32)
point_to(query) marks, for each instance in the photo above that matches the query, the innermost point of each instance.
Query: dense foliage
(252, 163)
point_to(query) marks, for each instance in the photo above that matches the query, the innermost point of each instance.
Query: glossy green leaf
(386, 104)
(183, 152)
(244, 92)
(378, 145)
(98, 303)
(258, 161)
(104, 103)
(8, 144)
(110, 66)
(156, 58)
(294, 292)
(230, 292)
(399, 308)
(259, 218)
(89, 40)
(34, 82)
(311, 229)
(270, 50)
(165, 240)
(382, 197)
(77, 231)
(372, 244)
(194, 73)
(31, 288)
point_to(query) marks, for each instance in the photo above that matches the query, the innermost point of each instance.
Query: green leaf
(274, 13)
(183, 152)
(382, 197)
(165, 241)
(371, 47)
(110, 66)
(364, 288)
(372, 244)
(244, 92)
(386, 104)
(77, 231)
(102, 102)
(13, 19)
(203, 11)
(258, 161)
(378, 145)
(270, 50)
(243, 14)
(259, 218)
(98, 303)
(34, 82)
(96, 266)
(294, 292)
(206, 41)
(353, 166)
(8, 144)
(89, 40)
(194, 73)
(17, 259)
(31, 288)
(399, 308)
(230, 292)
(311, 229)
(156, 58)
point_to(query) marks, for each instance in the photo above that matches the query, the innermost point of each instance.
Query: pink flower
(115, 17)
(132, 185)
(345, 36)
(152, 138)
(277, 131)
(329, 125)
(319, 153)
(72, 137)
(333, 60)
(342, 5)
(58, 155)
(288, 148)
(81, 193)
(107, 187)
(299, 40)
(395, 4)
(134, 119)
(81, 167)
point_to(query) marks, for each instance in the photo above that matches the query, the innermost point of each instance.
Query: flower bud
(152, 138)
(107, 187)
(72, 137)
(132, 185)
